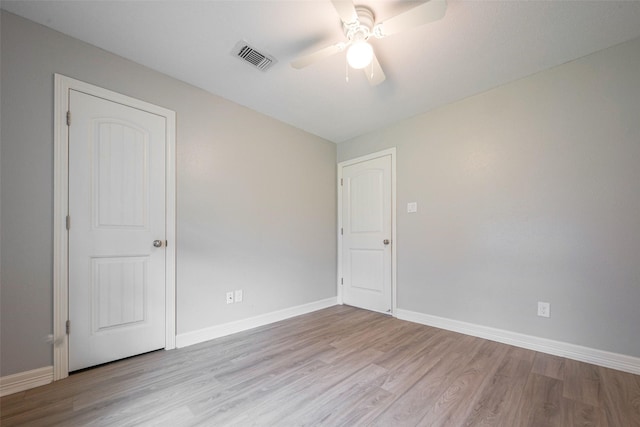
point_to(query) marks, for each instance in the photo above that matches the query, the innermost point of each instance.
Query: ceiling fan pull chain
(346, 68)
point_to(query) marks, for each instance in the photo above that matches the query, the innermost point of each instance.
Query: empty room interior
(320, 212)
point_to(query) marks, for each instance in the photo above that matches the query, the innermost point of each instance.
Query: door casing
(62, 85)
(389, 152)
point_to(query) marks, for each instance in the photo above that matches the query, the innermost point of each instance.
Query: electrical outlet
(412, 207)
(229, 297)
(238, 295)
(544, 309)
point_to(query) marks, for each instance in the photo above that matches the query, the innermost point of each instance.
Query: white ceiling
(477, 46)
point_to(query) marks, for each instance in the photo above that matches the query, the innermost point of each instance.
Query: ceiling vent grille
(261, 61)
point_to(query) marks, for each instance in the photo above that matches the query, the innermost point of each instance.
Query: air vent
(247, 53)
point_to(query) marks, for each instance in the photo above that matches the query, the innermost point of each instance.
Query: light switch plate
(412, 207)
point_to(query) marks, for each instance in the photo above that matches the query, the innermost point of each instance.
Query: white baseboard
(206, 334)
(603, 358)
(25, 380)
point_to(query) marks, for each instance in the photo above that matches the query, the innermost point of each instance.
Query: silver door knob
(386, 241)
(157, 243)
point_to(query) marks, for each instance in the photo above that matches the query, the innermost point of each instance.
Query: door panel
(366, 222)
(118, 290)
(121, 175)
(117, 209)
(367, 270)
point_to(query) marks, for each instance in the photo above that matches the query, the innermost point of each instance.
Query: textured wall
(528, 192)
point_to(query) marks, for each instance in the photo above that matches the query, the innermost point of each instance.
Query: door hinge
(341, 181)
(342, 280)
(341, 231)
(68, 327)
(68, 118)
(68, 222)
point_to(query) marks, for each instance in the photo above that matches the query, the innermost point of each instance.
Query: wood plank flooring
(337, 367)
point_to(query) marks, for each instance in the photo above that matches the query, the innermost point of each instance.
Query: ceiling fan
(359, 26)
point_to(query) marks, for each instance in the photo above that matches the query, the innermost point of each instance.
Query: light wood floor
(339, 366)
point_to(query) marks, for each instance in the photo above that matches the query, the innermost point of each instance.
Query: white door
(366, 234)
(117, 211)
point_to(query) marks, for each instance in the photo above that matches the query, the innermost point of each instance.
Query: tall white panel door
(366, 234)
(117, 211)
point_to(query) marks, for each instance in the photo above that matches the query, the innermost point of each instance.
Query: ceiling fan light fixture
(359, 25)
(360, 54)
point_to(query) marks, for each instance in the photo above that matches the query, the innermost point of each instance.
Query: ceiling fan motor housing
(361, 28)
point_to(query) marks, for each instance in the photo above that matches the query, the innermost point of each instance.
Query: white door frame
(394, 243)
(61, 207)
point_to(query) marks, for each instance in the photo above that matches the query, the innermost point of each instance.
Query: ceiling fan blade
(427, 12)
(346, 10)
(303, 61)
(374, 72)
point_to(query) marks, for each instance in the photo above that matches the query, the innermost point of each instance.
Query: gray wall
(255, 197)
(528, 192)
